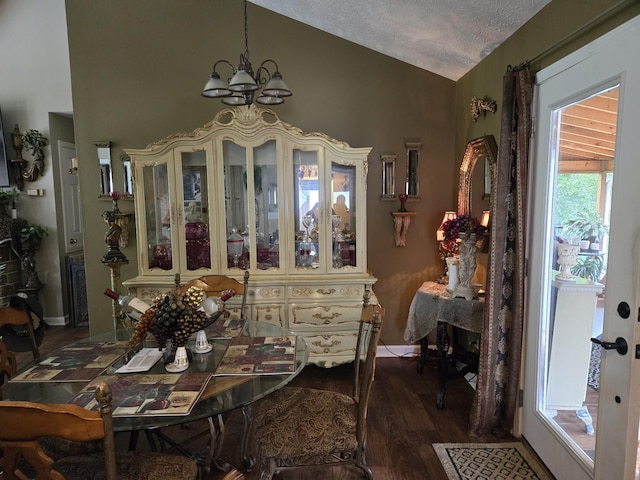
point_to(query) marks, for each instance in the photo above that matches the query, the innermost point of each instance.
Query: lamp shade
(216, 87)
(242, 82)
(440, 232)
(484, 220)
(235, 100)
(276, 87)
(269, 100)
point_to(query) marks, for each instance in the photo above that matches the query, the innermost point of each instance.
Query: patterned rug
(489, 461)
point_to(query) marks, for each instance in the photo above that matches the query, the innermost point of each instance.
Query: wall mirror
(127, 187)
(104, 159)
(479, 160)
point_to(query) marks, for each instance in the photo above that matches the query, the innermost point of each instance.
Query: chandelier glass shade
(244, 84)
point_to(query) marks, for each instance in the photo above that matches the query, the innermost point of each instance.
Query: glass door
(580, 403)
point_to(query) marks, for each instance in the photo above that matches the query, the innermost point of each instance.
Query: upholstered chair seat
(298, 421)
(302, 428)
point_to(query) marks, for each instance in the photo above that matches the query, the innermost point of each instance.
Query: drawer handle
(326, 318)
(326, 291)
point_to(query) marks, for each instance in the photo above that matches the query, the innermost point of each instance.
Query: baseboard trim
(56, 321)
(397, 350)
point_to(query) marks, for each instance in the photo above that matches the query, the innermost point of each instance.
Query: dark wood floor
(403, 418)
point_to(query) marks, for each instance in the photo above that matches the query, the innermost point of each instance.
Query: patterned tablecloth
(432, 304)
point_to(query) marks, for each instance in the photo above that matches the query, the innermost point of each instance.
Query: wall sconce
(388, 177)
(482, 105)
(74, 166)
(402, 220)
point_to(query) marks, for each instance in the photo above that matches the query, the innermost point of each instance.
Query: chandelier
(244, 84)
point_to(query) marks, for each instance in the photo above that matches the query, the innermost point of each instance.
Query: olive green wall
(138, 68)
(541, 41)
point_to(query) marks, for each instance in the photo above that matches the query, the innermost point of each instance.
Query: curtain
(500, 352)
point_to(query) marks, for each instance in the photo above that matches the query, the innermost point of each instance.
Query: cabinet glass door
(307, 209)
(196, 209)
(343, 215)
(236, 203)
(158, 216)
(266, 235)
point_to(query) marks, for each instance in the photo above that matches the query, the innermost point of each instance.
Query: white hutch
(250, 192)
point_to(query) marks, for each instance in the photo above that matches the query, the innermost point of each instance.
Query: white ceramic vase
(567, 258)
(452, 269)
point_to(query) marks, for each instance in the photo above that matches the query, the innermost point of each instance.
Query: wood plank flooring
(403, 418)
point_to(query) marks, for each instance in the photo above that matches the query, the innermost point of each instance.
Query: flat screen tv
(4, 159)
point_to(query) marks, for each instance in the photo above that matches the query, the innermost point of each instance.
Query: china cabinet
(250, 192)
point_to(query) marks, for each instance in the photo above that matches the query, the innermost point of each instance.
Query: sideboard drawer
(325, 292)
(323, 315)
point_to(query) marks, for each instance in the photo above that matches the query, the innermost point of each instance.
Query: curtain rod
(577, 33)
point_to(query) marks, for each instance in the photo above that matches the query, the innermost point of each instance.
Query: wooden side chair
(16, 317)
(24, 423)
(302, 428)
(8, 365)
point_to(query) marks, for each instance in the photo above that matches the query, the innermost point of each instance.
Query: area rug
(489, 461)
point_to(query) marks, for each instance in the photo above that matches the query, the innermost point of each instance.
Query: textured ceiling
(447, 37)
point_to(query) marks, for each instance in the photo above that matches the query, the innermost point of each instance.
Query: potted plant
(31, 237)
(35, 141)
(588, 267)
(7, 199)
(587, 226)
(30, 240)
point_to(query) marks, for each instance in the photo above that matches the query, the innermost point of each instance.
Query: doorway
(583, 177)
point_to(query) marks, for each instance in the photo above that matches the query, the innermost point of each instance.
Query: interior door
(609, 64)
(71, 210)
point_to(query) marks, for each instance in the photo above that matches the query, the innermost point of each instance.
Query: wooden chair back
(24, 423)
(216, 284)
(364, 368)
(8, 365)
(16, 317)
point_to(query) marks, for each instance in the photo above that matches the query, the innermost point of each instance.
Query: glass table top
(222, 393)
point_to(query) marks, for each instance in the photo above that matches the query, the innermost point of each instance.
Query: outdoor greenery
(573, 192)
(585, 224)
(588, 267)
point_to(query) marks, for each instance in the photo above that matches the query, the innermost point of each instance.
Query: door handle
(620, 345)
(72, 241)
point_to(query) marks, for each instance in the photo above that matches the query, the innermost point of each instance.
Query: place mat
(79, 362)
(225, 327)
(484, 461)
(259, 356)
(143, 394)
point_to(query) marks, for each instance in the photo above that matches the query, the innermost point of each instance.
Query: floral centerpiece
(459, 227)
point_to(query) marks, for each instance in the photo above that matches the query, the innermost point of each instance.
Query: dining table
(221, 394)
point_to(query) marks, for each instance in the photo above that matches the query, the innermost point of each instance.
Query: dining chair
(8, 365)
(20, 317)
(302, 428)
(25, 423)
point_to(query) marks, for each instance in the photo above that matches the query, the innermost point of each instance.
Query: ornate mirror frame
(480, 148)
